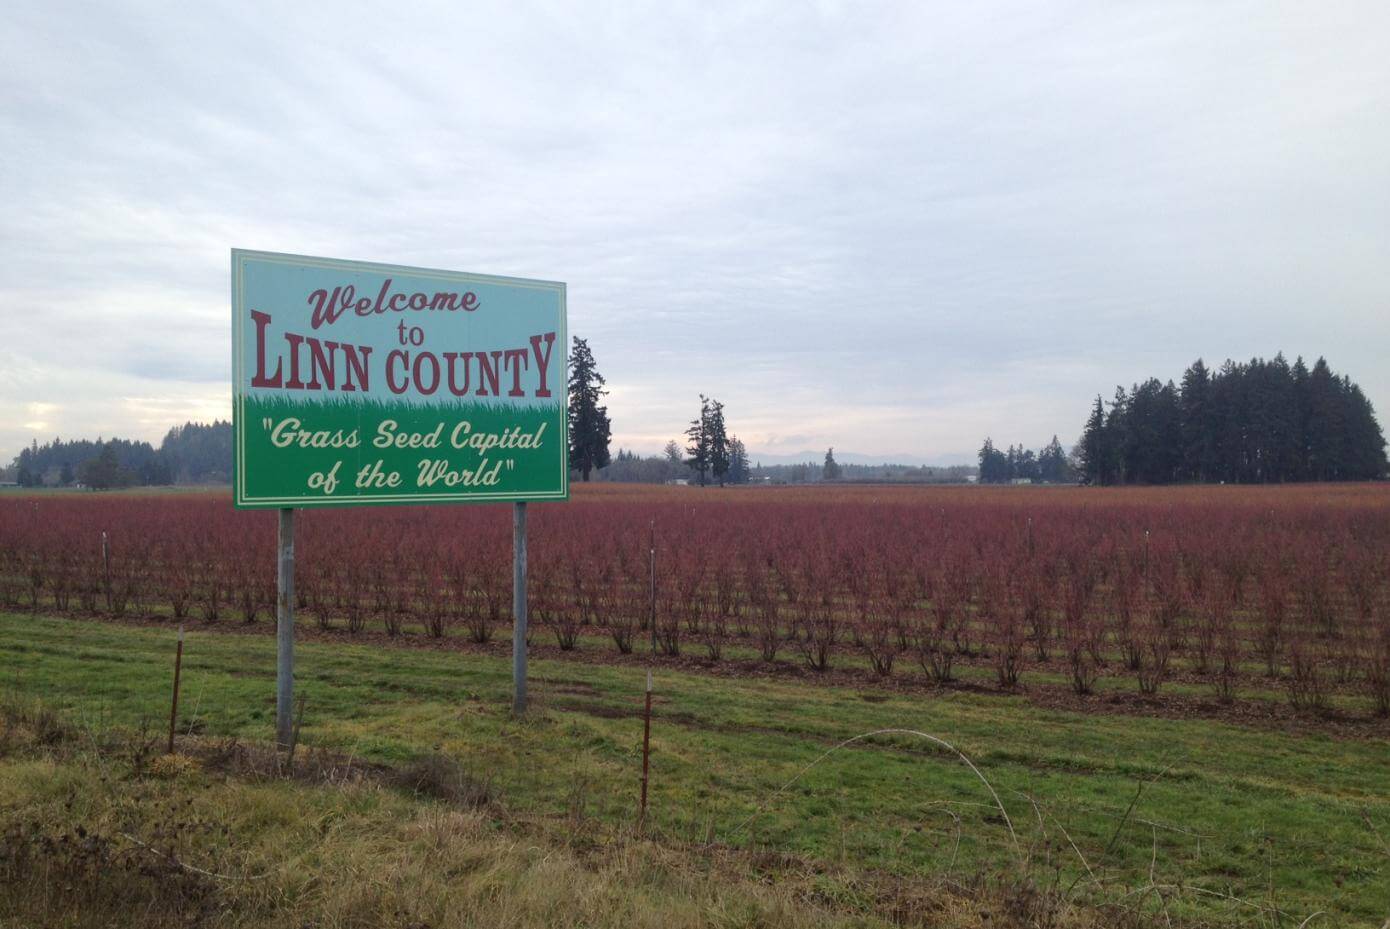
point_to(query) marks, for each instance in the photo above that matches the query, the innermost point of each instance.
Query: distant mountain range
(916, 461)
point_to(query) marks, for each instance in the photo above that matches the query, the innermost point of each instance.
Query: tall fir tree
(739, 469)
(1091, 449)
(1300, 418)
(589, 428)
(1325, 423)
(1118, 441)
(718, 442)
(1053, 467)
(697, 448)
(830, 471)
(1365, 444)
(1195, 424)
(994, 464)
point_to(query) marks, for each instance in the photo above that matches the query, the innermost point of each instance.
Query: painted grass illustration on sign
(371, 450)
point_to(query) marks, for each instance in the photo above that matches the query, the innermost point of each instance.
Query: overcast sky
(891, 228)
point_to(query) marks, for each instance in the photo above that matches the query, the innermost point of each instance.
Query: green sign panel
(359, 383)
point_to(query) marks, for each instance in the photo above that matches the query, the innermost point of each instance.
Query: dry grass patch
(217, 837)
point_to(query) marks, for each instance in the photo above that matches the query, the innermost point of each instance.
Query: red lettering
(294, 383)
(356, 364)
(488, 371)
(322, 362)
(262, 320)
(329, 306)
(391, 359)
(326, 308)
(450, 358)
(517, 360)
(420, 381)
(543, 360)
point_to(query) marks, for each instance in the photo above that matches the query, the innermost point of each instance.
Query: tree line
(672, 465)
(194, 453)
(1049, 465)
(632, 468)
(1257, 422)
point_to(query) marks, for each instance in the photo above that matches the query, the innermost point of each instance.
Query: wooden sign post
(284, 632)
(518, 608)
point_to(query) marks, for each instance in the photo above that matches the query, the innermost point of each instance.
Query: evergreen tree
(103, 471)
(1365, 445)
(588, 419)
(1229, 429)
(718, 442)
(698, 448)
(1300, 420)
(994, 464)
(739, 471)
(1027, 466)
(830, 471)
(1278, 421)
(1053, 467)
(1092, 447)
(1326, 423)
(1196, 424)
(1119, 441)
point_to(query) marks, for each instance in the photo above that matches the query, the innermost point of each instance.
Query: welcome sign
(362, 383)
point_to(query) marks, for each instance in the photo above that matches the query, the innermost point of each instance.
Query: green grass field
(1192, 821)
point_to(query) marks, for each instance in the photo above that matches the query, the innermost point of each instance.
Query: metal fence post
(518, 608)
(284, 634)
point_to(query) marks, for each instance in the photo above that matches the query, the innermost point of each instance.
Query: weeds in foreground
(152, 840)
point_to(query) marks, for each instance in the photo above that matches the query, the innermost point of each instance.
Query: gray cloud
(891, 228)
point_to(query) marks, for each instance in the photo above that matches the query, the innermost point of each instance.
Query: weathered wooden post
(518, 608)
(284, 634)
(651, 613)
